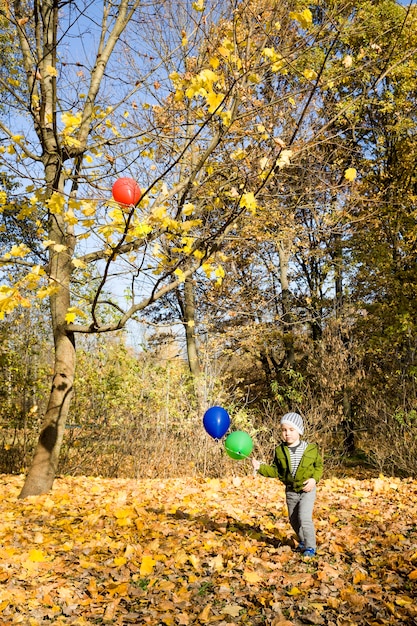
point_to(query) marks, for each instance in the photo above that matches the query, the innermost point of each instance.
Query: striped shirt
(296, 453)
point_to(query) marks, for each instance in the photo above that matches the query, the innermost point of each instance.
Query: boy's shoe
(301, 547)
(308, 553)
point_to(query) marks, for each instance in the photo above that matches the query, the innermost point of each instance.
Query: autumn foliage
(189, 551)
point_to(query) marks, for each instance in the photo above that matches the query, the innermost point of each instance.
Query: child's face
(290, 434)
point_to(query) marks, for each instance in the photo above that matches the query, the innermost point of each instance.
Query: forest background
(270, 264)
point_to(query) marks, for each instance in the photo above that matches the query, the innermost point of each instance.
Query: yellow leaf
(391, 608)
(205, 614)
(207, 77)
(52, 71)
(159, 212)
(238, 154)
(195, 561)
(252, 577)
(147, 565)
(71, 121)
(47, 243)
(226, 117)
(216, 563)
(358, 577)
(119, 588)
(304, 18)
(72, 313)
(180, 274)
(70, 217)
(350, 174)
(248, 201)
(78, 263)
(141, 229)
(56, 203)
(70, 317)
(214, 101)
(20, 250)
(124, 513)
(310, 74)
(207, 269)
(37, 556)
(403, 601)
(88, 208)
(10, 298)
(120, 560)
(188, 208)
(129, 552)
(198, 5)
(333, 603)
(219, 272)
(294, 591)
(45, 292)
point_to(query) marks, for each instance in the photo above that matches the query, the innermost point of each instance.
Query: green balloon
(238, 445)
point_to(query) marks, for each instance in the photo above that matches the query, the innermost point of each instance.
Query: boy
(299, 466)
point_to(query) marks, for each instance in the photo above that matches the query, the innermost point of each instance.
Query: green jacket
(311, 466)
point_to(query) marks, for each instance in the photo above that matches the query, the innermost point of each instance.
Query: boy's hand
(256, 464)
(309, 485)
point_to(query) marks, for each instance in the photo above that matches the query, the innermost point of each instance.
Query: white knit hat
(295, 420)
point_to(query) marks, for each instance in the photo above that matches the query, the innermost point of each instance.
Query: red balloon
(126, 191)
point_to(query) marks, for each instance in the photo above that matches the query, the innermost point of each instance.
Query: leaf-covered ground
(178, 551)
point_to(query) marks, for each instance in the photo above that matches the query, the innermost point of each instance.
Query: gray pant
(300, 511)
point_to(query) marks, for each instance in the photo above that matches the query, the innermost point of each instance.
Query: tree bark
(188, 313)
(189, 320)
(287, 318)
(43, 469)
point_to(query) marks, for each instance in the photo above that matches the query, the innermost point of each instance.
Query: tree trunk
(287, 318)
(44, 465)
(189, 319)
(43, 469)
(348, 426)
(188, 313)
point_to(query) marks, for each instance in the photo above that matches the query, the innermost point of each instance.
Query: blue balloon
(216, 421)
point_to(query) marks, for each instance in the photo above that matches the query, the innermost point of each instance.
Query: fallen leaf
(294, 591)
(147, 565)
(205, 614)
(252, 577)
(232, 609)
